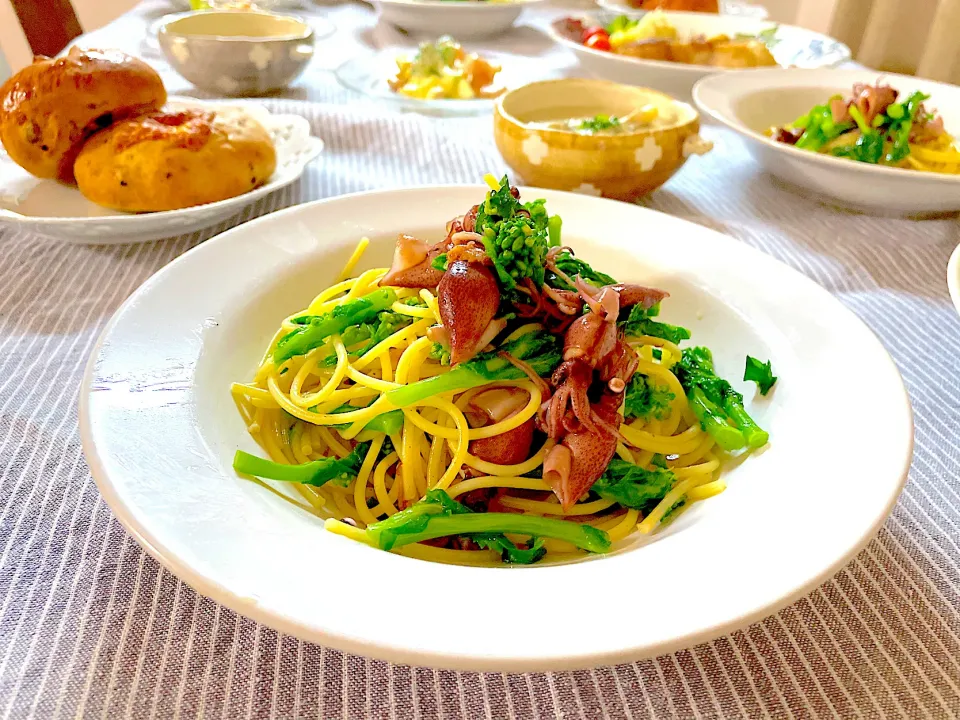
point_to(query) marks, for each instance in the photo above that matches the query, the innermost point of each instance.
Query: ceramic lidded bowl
(237, 53)
(625, 166)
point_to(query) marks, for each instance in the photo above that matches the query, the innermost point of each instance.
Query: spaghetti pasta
(391, 464)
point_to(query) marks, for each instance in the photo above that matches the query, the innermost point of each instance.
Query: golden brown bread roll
(49, 108)
(175, 159)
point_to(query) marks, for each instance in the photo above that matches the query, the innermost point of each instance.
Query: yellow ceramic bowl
(624, 166)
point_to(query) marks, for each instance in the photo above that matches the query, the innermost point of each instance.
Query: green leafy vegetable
(645, 398)
(554, 226)
(440, 262)
(598, 123)
(438, 515)
(819, 127)
(515, 236)
(902, 116)
(539, 349)
(434, 58)
(509, 552)
(316, 473)
(718, 407)
(641, 322)
(869, 146)
(571, 267)
(314, 329)
(620, 23)
(768, 37)
(760, 373)
(633, 486)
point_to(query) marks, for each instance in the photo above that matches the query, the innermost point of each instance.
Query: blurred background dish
(186, 5)
(637, 8)
(751, 103)
(236, 53)
(953, 277)
(463, 18)
(370, 76)
(789, 46)
(595, 137)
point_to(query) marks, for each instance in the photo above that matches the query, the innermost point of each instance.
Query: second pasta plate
(791, 515)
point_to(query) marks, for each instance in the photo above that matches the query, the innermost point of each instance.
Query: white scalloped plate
(160, 428)
(727, 7)
(59, 212)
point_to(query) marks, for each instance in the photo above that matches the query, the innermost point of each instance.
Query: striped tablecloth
(90, 626)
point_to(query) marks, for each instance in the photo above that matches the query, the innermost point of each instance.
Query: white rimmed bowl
(953, 277)
(796, 46)
(750, 103)
(791, 517)
(461, 18)
(727, 7)
(59, 212)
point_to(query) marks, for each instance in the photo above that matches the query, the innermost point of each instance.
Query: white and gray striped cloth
(90, 626)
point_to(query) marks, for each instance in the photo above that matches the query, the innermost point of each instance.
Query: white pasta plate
(60, 212)
(751, 103)
(953, 277)
(461, 18)
(727, 7)
(368, 75)
(160, 428)
(794, 47)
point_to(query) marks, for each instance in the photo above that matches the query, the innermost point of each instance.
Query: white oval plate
(727, 7)
(56, 211)
(160, 428)
(184, 5)
(461, 18)
(368, 74)
(749, 103)
(796, 46)
(953, 277)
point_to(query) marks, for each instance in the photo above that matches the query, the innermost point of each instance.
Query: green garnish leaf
(761, 373)
(599, 123)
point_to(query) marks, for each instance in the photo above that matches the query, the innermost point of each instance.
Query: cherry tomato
(599, 42)
(591, 30)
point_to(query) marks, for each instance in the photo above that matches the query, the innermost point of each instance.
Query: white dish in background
(368, 74)
(953, 277)
(261, 4)
(749, 103)
(727, 7)
(462, 19)
(60, 212)
(160, 429)
(795, 46)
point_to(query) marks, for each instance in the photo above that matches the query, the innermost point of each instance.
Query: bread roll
(175, 159)
(49, 108)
